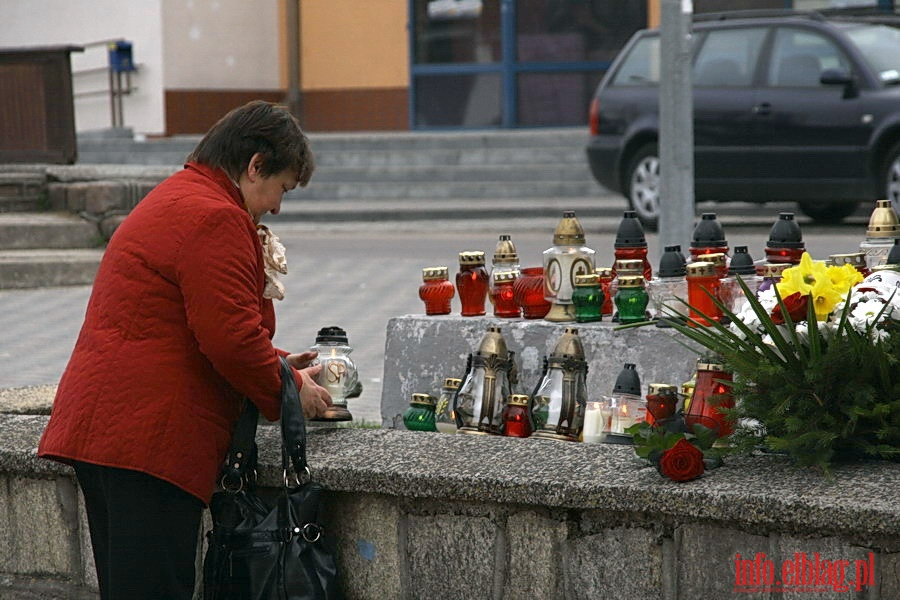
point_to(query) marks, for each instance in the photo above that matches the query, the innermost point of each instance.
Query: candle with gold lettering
(338, 374)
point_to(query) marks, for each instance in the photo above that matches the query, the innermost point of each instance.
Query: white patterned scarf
(275, 262)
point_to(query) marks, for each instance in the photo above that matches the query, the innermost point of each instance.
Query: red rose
(796, 307)
(681, 462)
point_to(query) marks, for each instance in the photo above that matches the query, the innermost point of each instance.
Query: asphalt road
(357, 276)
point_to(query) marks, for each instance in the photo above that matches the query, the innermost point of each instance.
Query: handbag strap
(293, 424)
(240, 462)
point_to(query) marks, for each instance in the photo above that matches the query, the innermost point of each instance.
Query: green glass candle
(632, 299)
(420, 414)
(587, 296)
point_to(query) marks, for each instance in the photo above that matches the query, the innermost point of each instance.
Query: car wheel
(643, 185)
(828, 212)
(891, 180)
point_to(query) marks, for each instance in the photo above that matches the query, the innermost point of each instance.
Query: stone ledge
(762, 493)
(420, 351)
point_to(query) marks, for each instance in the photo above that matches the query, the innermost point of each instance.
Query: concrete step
(537, 172)
(428, 191)
(29, 230)
(445, 209)
(22, 191)
(47, 268)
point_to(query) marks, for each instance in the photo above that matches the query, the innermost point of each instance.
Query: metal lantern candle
(711, 392)
(490, 373)
(567, 258)
(516, 417)
(558, 401)
(785, 245)
(436, 290)
(338, 374)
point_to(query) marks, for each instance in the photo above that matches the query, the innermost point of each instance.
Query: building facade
(363, 66)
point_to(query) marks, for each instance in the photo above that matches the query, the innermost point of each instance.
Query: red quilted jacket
(176, 332)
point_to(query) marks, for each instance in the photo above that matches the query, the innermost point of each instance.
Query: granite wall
(426, 515)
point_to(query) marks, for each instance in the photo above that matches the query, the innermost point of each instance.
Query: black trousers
(143, 532)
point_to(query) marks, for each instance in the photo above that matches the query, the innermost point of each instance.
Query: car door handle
(762, 109)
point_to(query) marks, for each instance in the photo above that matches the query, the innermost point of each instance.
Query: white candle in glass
(595, 418)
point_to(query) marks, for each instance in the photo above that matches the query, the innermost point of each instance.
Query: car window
(641, 66)
(799, 56)
(728, 57)
(880, 46)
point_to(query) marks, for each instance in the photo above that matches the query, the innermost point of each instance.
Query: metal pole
(294, 100)
(676, 126)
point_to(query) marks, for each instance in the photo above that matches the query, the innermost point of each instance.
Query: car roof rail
(758, 14)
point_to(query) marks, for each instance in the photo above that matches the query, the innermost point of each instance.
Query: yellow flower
(824, 297)
(826, 285)
(801, 278)
(844, 277)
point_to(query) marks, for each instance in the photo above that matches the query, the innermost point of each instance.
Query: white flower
(866, 312)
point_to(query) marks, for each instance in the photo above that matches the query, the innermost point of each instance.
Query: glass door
(512, 63)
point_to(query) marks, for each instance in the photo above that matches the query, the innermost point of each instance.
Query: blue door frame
(508, 68)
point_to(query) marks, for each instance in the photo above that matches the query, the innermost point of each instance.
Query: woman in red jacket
(177, 332)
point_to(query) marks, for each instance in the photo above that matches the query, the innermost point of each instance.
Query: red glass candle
(702, 276)
(785, 244)
(634, 254)
(528, 293)
(516, 421)
(604, 274)
(662, 399)
(719, 259)
(711, 392)
(502, 295)
(708, 237)
(436, 291)
(472, 283)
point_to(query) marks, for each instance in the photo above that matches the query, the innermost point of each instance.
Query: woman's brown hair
(257, 126)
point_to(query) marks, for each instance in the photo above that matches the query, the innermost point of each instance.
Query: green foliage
(829, 398)
(651, 441)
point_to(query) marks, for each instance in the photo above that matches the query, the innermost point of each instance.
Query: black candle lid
(628, 381)
(630, 233)
(672, 263)
(708, 232)
(331, 334)
(785, 233)
(741, 262)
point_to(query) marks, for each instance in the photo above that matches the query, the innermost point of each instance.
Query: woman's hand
(314, 399)
(302, 360)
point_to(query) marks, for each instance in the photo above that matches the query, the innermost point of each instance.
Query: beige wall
(222, 44)
(64, 22)
(354, 44)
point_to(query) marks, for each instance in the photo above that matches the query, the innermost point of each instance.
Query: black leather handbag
(271, 549)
